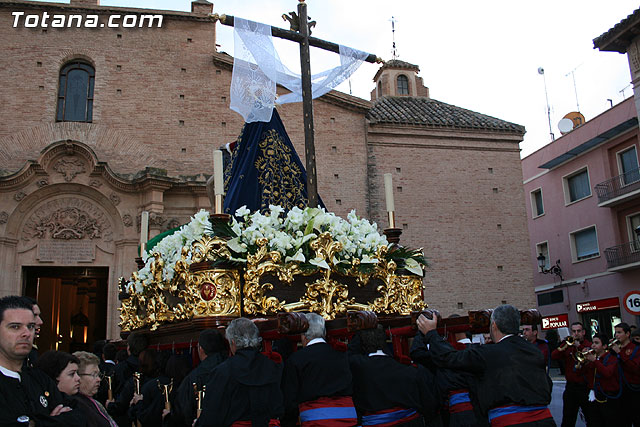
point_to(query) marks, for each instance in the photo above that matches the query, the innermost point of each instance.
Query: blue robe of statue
(265, 170)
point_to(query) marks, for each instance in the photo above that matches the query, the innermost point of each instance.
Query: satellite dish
(565, 126)
(576, 117)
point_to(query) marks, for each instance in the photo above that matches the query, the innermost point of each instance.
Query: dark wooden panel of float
(295, 291)
(182, 331)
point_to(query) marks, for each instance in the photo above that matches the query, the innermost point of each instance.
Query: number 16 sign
(632, 302)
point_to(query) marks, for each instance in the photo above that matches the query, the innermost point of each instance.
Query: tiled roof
(620, 36)
(396, 63)
(429, 112)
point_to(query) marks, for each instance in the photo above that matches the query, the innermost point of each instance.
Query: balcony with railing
(623, 257)
(619, 189)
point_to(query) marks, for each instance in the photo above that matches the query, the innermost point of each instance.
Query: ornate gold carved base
(211, 287)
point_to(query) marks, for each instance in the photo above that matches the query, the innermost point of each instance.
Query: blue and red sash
(389, 417)
(272, 423)
(459, 401)
(512, 415)
(328, 412)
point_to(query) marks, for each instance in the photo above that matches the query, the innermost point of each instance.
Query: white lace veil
(257, 69)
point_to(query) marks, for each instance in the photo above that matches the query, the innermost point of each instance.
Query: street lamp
(554, 269)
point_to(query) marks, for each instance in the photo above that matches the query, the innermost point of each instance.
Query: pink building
(583, 204)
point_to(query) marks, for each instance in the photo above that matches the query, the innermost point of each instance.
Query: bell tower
(398, 78)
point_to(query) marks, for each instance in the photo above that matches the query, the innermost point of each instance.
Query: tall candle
(388, 192)
(218, 172)
(144, 231)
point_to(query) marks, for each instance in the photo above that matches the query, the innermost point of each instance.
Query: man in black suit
(513, 387)
(244, 390)
(316, 382)
(386, 391)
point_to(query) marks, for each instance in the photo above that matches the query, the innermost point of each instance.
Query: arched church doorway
(73, 301)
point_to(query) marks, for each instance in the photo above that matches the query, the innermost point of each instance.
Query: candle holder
(393, 235)
(136, 382)
(166, 389)
(392, 219)
(109, 387)
(199, 395)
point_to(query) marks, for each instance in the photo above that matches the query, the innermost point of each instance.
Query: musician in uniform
(244, 390)
(384, 390)
(628, 354)
(602, 372)
(576, 391)
(316, 382)
(513, 387)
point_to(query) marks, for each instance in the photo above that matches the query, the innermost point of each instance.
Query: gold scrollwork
(400, 294)
(261, 263)
(210, 249)
(225, 302)
(214, 291)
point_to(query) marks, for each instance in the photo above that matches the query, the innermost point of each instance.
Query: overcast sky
(479, 55)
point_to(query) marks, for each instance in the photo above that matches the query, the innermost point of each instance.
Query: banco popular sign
(602, 304)
(553, 322)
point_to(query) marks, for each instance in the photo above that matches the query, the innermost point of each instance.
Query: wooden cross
(303, 38)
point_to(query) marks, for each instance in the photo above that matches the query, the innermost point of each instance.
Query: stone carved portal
(69, 167)
(67, 230)
(67, 223)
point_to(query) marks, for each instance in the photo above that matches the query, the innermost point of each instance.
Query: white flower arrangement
(287, 234)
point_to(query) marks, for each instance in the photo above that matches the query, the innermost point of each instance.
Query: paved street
(556, 403)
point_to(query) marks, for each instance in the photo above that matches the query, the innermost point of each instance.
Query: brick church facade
(72, 189)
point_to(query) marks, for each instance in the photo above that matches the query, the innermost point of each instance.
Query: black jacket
(246, 387)
(34, 396)
(184, 406)
(511, 371)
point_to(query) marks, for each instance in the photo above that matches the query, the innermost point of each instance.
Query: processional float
(280, 254)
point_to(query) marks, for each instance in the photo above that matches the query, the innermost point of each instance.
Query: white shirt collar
(378, 353)
(506, 336)
(110, 361)
(465, 341)
(8, 373)
(316, 341)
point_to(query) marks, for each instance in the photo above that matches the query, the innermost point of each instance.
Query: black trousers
(630, 412)
(605, 412)
(575, 396)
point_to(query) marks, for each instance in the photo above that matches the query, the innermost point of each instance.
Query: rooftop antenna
(575, 90)
(541, 72)
(394, 52)
(622, 91)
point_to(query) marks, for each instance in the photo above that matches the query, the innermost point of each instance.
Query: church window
(403, 85)
(379, 88)
(75, 92)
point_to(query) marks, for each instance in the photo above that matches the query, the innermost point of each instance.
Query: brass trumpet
(567, 342)
(581, 357)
